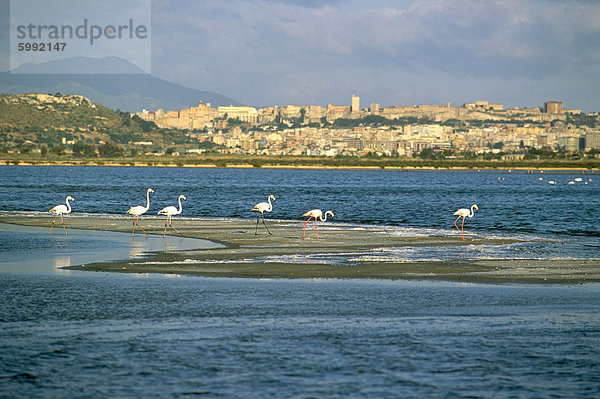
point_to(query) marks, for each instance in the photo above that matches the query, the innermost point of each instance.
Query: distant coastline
(289, 162)
(70, 129)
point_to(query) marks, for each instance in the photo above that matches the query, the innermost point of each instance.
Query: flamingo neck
(324, 219)
(68, 206)
(472, 212)
(147, 199)
(270, 208)
(180, 205)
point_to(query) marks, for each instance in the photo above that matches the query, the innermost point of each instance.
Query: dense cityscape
(480, 127)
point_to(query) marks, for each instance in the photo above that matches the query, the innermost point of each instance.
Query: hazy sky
(403, 52)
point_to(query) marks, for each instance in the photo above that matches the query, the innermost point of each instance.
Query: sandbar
(344, 251)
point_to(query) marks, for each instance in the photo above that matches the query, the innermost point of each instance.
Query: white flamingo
(317, 214)
(59, 210)
(170, 211)
(464, 213)
(139, 210)
(263, 207)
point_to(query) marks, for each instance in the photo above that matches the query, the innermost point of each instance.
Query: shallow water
(509, 203)
(120, 336)
(34, 250)
(103, 335)
(557, 221)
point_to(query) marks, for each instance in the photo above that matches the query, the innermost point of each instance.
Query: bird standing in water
(139, 210)
(263, 207)
(317, 214)
(170, 211)
(464, 213)
(59, 210)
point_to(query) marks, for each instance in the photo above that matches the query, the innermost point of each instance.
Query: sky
(403, 52)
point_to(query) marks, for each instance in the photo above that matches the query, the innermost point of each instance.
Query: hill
(36, 121)
(129, 92)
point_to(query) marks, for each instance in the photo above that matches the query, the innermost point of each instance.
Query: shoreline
(173, 164)
(336, 255)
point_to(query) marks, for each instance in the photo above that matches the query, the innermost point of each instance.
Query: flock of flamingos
(261, 207)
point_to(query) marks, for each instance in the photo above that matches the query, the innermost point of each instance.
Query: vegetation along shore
(254, 161)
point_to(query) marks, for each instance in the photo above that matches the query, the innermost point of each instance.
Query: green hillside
(42, 122)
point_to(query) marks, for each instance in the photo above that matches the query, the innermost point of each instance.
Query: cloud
(283, 51)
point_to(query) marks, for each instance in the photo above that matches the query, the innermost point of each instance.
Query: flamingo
(170, 211)
(464, 213)
(263, 207)
(315, 213)
(59, 210)
(139, 210)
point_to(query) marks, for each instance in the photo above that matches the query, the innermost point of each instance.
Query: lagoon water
(115, 336)
(508, 202)
(66, 334)
(32, 250)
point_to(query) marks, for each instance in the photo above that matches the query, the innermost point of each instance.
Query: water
(111, 335)
(518, 204)
(558, 221)
(33, 250)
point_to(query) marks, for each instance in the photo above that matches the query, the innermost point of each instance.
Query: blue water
(520, 203)
(114, 336)
(33, 250)
(103, 335)
(563, 217)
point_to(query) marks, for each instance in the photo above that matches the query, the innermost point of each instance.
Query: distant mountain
(128, 91)
(79, 65)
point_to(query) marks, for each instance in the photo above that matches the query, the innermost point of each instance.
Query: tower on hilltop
(553, 107)
(355, 104)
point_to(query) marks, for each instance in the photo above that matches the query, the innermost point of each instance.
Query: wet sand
(285, 255)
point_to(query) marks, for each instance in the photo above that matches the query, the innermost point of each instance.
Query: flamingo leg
(303, 235)
(138, 225)
(171, 224)
(257, 220)
(462, 227)
(263, 219)
(316, 228)
(63, 223)
(133, 226)
(165, 230)
(456, 225)
(52, 225)
(135, 223)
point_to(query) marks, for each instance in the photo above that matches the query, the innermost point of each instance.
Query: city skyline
(479, 126)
